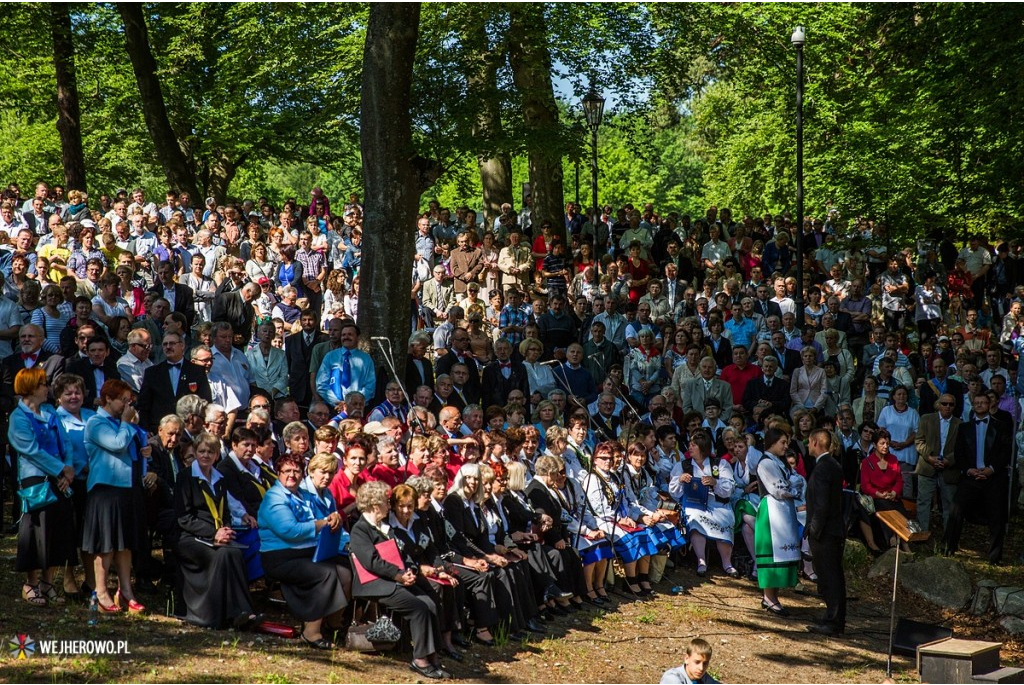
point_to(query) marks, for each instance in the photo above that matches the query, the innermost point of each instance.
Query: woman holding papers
(415, 540)
(704, 484)
(289, 530)
(215, 588)
(385, 573)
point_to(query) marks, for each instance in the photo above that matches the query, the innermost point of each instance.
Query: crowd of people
(582, 407)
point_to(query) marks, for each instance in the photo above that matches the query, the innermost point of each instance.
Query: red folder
(388, 551)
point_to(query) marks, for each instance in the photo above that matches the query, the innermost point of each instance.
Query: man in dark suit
(236, 309)
(459, 353)
(940, 382)
(983, 447)
(298, 351)
(503, 375)
(789, 359)
(97, 368)
(843, 321)
(826, 532)
(763, 304)
(444, 396)
(165, 383)
(418, 369)
(767, 394)
(179, 295)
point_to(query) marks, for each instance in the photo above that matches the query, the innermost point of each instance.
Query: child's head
(698, 658)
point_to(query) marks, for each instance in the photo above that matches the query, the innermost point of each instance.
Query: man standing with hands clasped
(826, 532)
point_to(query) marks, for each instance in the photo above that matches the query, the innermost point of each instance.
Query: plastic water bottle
(677, 590)
(94, 611)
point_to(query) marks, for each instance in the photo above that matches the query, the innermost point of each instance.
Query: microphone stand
(389, 360)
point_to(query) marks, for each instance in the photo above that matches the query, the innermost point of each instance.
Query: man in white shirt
(786, 304)
(132, 366)
(230, 367)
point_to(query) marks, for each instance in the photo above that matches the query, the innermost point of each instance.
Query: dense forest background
(912, 111)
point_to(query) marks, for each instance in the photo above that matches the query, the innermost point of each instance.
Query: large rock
(939, 580)
(1012, 625)
(884, 564)
(855, 556)
(982, 600)
(1010, 600)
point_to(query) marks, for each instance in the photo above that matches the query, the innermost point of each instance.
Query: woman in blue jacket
(111, 520)
(289, 526)
(45, 540)
(69, 391)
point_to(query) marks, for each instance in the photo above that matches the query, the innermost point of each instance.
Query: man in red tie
(503, 375)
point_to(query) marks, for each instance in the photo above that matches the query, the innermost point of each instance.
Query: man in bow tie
(503, 375)
(983, 447)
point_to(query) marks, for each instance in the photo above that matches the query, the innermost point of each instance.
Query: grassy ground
(633, 643)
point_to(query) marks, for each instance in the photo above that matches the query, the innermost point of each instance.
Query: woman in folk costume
(704, 485)
(606, 508)
(777, 532)
(643, 501)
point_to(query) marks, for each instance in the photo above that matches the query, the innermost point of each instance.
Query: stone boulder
(1012, 625)
(1009, 600)
(855, 557)
(884, 564)
(939, 580)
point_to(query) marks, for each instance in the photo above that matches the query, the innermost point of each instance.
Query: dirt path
(635, 643)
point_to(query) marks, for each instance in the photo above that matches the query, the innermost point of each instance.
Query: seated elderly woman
(289, 527)
(399, 587)
(413, 532)
(643, 504)
(604, 498)
(215, 587)
(704, 485)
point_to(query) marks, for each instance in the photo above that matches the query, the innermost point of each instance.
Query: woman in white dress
(777, 530)
(606, 511)
(542, 380)
(901, 420)
(704, 484)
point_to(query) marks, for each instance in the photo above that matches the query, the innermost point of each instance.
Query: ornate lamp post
(593, 109)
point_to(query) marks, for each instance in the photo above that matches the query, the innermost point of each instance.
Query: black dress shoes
(535, 627)
(825, 629)
(458, 640)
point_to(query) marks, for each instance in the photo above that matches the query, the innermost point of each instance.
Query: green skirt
(771, 571)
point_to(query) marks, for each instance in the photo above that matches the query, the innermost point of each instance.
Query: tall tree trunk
(482, 64)
(531, 71)
(394, 177)
(221, 173)
(168, 150)
(69, 121)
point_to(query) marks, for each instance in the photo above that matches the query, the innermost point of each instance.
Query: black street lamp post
(593, 109)
(798, 42)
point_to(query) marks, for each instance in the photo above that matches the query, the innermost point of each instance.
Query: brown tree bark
(394, 176)
(482, 64)
(531, 71)
(179, 175)
(69, 121)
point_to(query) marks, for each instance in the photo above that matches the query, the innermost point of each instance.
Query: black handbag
(379, 635)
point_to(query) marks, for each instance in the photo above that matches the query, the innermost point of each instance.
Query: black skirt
(46, 537)
(311, 589)
(79, 496)
(215, 587)
(110, 522)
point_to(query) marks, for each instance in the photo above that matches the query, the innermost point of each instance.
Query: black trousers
(418, 605)
(975, 497)
(828, 565)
